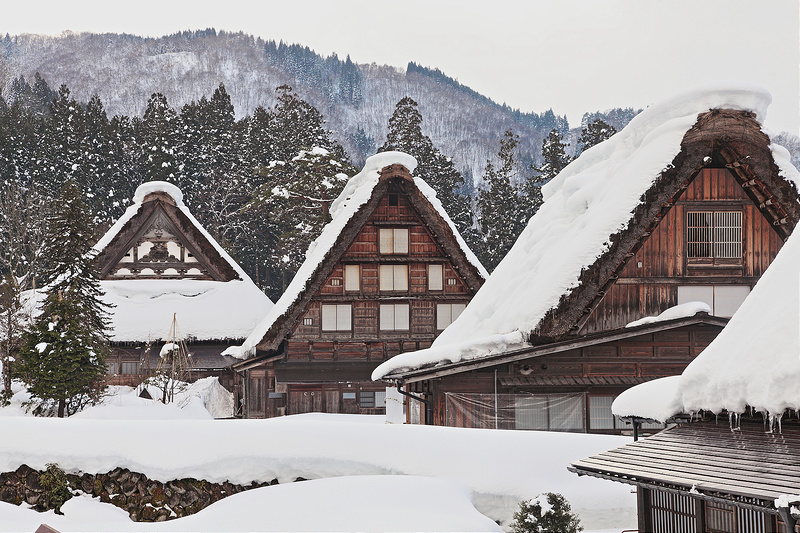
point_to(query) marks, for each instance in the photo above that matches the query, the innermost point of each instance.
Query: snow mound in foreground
(498, 468)
(359, 503)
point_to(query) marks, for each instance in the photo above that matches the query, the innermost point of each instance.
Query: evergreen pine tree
(501, 213)
(295, 125)
(438, 171)
(294, 202)
(548, 513)
(593, 133)
(159, 138)
(62, 358)
(554, 155)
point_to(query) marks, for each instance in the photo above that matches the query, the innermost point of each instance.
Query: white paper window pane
(343, 317)
(435, 277)
(385, 241)
(401, 241)
(328, 318)
(386, 275)
(696, 293)
(387, 317)
(444, 316)
(401, 316)
(457, 309)
(728, 298)
(600, 415)
(401, 277)
(380, 398)
(352, 275)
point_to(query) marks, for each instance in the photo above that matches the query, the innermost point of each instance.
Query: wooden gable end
(720, 139)
(160, 242)
(394, 282)
(670, 265)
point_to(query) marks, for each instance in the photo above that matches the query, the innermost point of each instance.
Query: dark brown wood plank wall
(648, 284)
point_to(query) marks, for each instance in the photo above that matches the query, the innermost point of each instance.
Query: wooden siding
(625, 362)
(323, 355)
(648, 284)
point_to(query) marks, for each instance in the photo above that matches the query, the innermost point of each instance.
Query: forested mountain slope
(356, 100)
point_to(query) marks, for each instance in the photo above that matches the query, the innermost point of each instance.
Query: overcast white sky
(571, 55)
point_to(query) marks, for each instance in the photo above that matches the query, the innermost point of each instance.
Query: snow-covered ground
(365, 475)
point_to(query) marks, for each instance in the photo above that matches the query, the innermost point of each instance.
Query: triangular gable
(710, 143)
(163, 243)
(159, 241)
(350, 213)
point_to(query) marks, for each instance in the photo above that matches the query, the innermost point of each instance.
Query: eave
(551, 348)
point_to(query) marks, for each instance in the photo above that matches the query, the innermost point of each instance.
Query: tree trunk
(62, 404)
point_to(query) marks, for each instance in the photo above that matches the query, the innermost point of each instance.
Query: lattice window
(672, 513)
(714, 234)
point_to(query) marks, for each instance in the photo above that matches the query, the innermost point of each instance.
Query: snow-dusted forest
(355, 100)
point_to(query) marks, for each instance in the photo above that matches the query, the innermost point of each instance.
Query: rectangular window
(435, 277)
(393, 277)
(394, 317)
(714, 234)
(447, 313)
(723, 300)
(371, 399)
(600, 416)
(393, 241)
(352, 277)
(336, 317)
(553, 412)
(129, 367)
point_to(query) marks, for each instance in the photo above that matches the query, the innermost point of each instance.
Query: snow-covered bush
(547, 513)
(55, 489)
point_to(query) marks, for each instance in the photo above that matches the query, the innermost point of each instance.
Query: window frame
(440, 307)
(346, 311)
(393, 241)
(724, 236)
(399, 278)
(439, 267)
(383, 317)
(352, 278)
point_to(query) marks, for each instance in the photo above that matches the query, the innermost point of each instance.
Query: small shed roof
(707, 459)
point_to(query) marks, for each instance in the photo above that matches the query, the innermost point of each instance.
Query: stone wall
(146, 500)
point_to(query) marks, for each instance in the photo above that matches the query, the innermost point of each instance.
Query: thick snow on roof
(355, 194)
(672, 313)
(754, 361)
(513, 465)
(590, 200)
(205, 310)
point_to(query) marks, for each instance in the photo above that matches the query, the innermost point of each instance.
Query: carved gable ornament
(159, 251)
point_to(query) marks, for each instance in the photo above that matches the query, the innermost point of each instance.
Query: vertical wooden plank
(758, 242)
